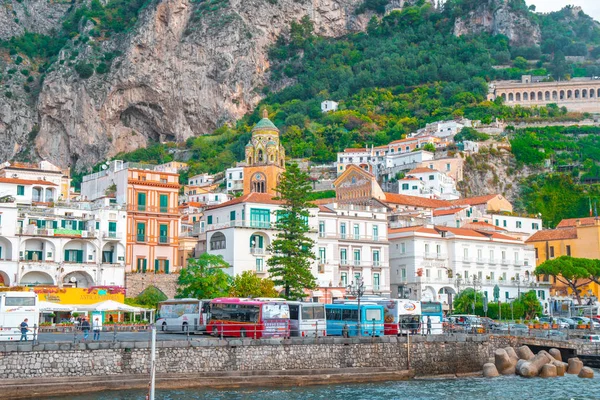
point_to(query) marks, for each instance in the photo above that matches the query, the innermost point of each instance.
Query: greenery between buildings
(204, 278)
(527, 306)
(573, 272)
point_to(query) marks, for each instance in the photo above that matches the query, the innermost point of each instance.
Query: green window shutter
(39, 223)
(209, 220)
(63, 224)
(141, 198)
(67, 255)
(79, 256)
(97, 224)
(166, 266)
(155, 266)
(164, 202)
(112, 226)
(144, 265)
(20, 190)
(164, 230)
(81, 225)
(54, 224)
(260, 241)
(232, 215)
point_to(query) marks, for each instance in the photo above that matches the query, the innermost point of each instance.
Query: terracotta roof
(483, 225)
(404, 141)
(263, 198)
(573, 222)
(415, 201)
(325, 209)
(447, 211)
(26, 181)
(419, 228)
(472, 201)
(553, 234)
(324, 201)
(357, 150)
(195, 204)
(459, 231)
(421, 170)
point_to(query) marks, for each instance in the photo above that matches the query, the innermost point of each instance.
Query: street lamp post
(357, 289)
(518, 280)
(476, 284)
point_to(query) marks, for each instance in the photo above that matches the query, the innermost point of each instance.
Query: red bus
(249, 318)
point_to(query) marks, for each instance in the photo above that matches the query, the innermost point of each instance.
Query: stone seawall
(224, 363)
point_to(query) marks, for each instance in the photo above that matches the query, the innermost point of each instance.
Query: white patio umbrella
(110, 305)
(46, 306)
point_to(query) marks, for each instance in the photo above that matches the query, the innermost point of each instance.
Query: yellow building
(575, 237)
(265, 158)
(153, 220)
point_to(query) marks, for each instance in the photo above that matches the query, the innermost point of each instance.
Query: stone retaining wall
(433, 355)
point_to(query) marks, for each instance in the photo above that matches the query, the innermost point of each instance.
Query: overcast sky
(590, 7)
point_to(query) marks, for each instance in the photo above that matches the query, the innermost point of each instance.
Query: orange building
(153, 220)
(575, 237)
(265, 158)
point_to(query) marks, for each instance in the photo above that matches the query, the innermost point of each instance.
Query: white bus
(307, 319)
(401, 316)
(183, 315)
(14, 308)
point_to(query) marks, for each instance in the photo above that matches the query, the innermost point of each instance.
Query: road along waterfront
(569, 387)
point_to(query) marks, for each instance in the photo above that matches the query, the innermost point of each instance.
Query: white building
(234, 177)
(329, 105)
(80, 244)
(29, 191)
(53, 182)
(445, 129)
(201, 180)
(242, 229)
(352, 243)
(207, 198)
(428, 263)
(438, 185)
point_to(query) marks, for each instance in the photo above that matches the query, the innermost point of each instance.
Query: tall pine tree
(290, 265)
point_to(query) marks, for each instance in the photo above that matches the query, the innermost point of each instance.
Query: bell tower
(265, 158)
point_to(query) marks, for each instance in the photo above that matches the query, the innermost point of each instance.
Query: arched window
(532, 96)
(554, 95)
(562, 94)
(547, 95)
(540, 96)
(569, 94)
(525, 96)
(218, 241)
(503, 97)
(258, 183)
(260, 156)
(592, 93)
(577, 93)
(584, 93)
(518, 96)
(511, 97)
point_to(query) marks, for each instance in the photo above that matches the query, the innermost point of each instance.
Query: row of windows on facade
(491, 276)
(518, 224)
(70, 256)
(142, 202)
(551, 252)
(556, 95)
(241, 175)
(344, 257)
(357, 275)
(163, 233)
(160, 265)
(259, 218)
(66, 224)
(438, 251)
(356, 230)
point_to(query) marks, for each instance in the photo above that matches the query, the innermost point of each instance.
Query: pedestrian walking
(428, 325)
(85, 327)
(24, 329)
(96, 326)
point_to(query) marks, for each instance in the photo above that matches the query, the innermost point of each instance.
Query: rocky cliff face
(180, 74)
(39, 16)
(499, 18)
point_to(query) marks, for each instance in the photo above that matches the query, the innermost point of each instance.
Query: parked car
(591, 338)
(557, 321)
(570, 323)
(519, 329)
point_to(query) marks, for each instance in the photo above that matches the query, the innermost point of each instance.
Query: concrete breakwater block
(503, 362)
(519, 366)
(586, 372)
(561, 367)
(490, 370)
(533, 367)
(556, 354)
(512, 354)
(525, 353)
(548, 371)
(575, 366)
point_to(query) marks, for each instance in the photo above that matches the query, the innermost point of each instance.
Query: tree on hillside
(204, 278)
(248, 284)
(571, 271)
(290, 265)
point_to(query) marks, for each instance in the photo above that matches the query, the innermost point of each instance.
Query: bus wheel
(242, 332)
(163, 327)
(215, 331)
(184, 327)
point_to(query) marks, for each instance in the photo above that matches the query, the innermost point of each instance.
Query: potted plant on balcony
(545, 325)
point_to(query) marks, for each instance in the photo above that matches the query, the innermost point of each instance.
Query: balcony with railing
(112, 235)
(353, 237)
(259, 251)
(164, 240)
(152, 209)
(32, 230)
(241, 224)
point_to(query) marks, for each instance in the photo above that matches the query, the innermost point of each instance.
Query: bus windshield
(176, 310)
(373, 314)
(431, 308)
(313, 312)
(273, 311)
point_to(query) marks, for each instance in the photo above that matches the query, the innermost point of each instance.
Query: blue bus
(433, 310)
(339, 315)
